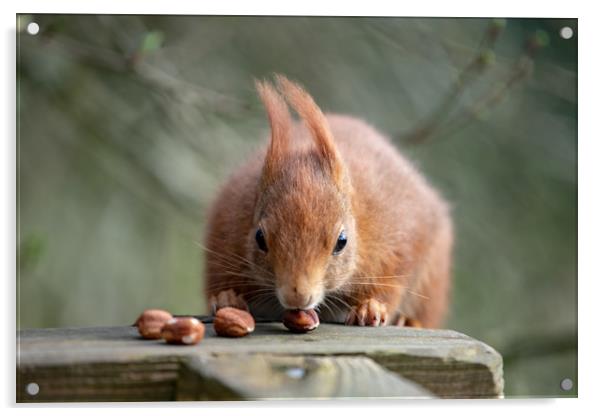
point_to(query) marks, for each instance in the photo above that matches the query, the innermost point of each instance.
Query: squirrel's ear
(315, 120)
(280, 125)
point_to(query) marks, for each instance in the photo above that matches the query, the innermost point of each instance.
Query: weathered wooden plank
(262, 376)
(447, 378)
(445, 362)
(147, 380)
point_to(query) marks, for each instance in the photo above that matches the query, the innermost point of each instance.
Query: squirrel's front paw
(368, 313)
(228, 298)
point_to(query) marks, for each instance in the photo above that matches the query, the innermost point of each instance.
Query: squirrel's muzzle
(293, 297)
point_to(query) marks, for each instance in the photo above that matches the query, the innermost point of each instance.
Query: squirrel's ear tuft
(315, 120)
(280, 125)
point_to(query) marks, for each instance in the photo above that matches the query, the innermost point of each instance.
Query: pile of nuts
(228, 322)
(157, 324)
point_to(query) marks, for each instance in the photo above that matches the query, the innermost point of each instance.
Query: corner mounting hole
(33, 28)
(566, 384)
(32, 389)
(566, 32)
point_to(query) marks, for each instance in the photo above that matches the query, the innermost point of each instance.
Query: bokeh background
(128, 124)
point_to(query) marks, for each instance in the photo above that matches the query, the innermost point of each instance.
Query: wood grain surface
(334, 361)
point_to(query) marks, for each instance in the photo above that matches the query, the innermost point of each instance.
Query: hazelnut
(300, 321)
(232, 322)
(186, 331)
(151, 321)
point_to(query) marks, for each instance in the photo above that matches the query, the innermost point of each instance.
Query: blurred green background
(128, 124)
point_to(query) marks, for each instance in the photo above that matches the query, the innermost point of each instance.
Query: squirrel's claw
(371, 312)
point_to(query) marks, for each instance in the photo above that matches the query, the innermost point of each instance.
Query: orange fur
(314, 179)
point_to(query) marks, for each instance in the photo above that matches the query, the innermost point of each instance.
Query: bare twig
(477, 66)
(439, 121)
(151, 75)
(522, 68)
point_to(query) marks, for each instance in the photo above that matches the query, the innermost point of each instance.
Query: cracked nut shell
(183, 331)
(151, 321)
(232, 322)
(300, 321)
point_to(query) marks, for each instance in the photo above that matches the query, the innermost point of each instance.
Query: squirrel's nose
(292, 298)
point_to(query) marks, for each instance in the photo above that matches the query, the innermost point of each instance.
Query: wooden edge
(262, 376)
(112, 363)
(122, 381)
(219, 377)
(448, 378)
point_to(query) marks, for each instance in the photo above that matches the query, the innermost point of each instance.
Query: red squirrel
(328, 215)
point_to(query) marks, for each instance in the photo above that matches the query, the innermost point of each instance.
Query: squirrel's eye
(341, 243)
(261, 240)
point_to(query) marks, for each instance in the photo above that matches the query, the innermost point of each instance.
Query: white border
(590, 206)
(506, 8)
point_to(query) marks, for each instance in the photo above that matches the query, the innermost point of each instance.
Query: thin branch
(476, 68)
